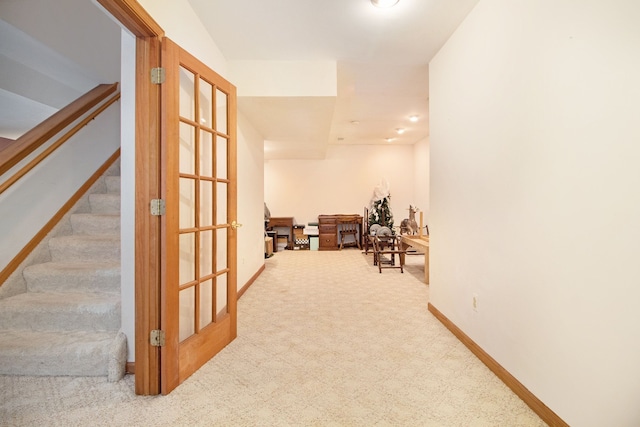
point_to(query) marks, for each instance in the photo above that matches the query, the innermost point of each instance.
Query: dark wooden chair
(349, 227)
(385, 249)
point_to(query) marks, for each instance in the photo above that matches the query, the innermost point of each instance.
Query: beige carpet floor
(323, 340)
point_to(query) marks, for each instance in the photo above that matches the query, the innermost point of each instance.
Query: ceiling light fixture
(384, 3)
(413, 118)
(388, 139)
(399, 131)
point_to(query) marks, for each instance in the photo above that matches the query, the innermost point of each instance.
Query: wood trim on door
(233, 204)
(169, 373)
(147, 228)
(133, 17)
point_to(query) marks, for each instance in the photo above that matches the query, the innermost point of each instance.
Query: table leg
(426, 266)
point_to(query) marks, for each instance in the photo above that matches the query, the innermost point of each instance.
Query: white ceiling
(44, 67)
(382, 58)
(382, 66)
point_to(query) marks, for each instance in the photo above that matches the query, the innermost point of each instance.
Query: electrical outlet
(475, 302)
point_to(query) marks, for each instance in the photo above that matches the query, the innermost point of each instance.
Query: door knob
(235, 225)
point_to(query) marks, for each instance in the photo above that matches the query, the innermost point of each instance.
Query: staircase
(68, 320)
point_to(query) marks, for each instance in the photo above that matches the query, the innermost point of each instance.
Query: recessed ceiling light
(355, 122)
(413, 118)
(388, 139)
(384, 3)
(400, 131)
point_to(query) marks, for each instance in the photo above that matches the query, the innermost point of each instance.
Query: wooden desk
(421, 243)
(283, 222)
(328, 228)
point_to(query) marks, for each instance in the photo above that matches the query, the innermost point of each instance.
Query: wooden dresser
(283, 222)
(328, 239)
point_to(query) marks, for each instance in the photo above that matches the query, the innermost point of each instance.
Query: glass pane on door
(206, 104)
(206, 253)
(206, 154)
(187, 149)
(206, 303)
(206, 203)
(221, 249)
(187, 313)
(221, 203)
(221, 157)
(187, 92)
(221, 295)
(221, 111)
(187, 203)
(187, 258)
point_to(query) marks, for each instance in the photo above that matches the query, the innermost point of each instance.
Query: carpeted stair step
(42, 353)
(113, 184)
(73, 276)
(105, 203)
(68, 321)
(61, 311)
(95, 224)
(114, 170)
(85, 248)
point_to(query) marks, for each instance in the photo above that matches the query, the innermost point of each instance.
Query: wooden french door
(198, 256)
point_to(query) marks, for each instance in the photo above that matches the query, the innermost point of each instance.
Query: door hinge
(156, 338)
(157, 75)
(158, 207)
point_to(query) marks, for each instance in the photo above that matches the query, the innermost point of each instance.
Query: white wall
(127, 190)
(32, 201)
(342, 183)
(182, 25)
(250, 201)
(534, 197)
